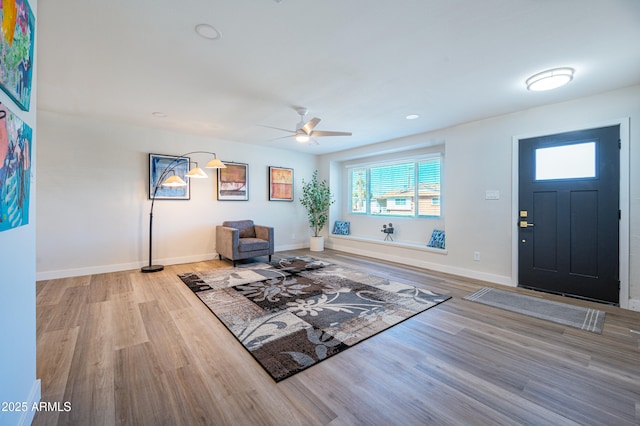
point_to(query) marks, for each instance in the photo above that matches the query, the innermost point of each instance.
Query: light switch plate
(492, 194)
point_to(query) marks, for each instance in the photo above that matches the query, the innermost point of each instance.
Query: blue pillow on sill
(341, 228)
(437, 239)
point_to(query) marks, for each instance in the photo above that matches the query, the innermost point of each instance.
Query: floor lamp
(168, 178)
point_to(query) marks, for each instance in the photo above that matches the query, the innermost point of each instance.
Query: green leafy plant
(316, 198)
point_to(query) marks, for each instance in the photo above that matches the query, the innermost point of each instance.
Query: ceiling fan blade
(329, 133)
(277, 128)
(282, 137)
(310, 125)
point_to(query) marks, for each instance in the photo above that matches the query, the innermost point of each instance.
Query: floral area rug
(293, 313)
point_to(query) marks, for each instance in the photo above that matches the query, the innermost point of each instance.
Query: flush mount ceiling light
(412, 116)
(207, 31)
(550, 79)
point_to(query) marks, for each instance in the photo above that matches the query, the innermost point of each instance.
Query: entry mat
(562, 313)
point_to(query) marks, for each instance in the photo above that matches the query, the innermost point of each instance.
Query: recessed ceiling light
(412, 116)
(550, 79)
(159, 114)
(207, 31)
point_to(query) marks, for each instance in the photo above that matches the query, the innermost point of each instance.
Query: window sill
(412, 246)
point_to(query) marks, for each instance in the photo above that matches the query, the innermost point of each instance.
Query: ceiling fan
(305, 132)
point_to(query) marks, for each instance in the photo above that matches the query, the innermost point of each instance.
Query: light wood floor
(141, 349)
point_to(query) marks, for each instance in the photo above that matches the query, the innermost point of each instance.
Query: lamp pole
(150, 267)
(214, 163)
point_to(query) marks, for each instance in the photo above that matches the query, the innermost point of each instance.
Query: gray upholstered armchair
(241, 239)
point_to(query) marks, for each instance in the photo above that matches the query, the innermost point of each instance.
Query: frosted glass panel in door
(566, 161)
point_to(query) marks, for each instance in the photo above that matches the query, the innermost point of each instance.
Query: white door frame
(624, 198)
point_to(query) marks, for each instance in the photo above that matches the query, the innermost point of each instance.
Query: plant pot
(316, 244)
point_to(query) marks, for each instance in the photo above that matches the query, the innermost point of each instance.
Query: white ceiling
(359, 65)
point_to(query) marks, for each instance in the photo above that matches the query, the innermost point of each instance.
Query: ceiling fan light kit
(305, 130)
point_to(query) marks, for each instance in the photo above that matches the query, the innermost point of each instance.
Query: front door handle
(525, 224)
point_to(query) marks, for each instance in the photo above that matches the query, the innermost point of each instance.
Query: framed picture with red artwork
(280, 184)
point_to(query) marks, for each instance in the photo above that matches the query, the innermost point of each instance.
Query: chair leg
(269, 258)
(234, 263)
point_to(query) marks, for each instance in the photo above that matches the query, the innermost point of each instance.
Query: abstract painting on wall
(15, 170)
(280, 184)
(16, 50)
(163, 166)
(233, 182)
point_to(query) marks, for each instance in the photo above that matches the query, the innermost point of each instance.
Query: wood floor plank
(164, 338)
(104, 286)
(134, 348)
(68, 313)
(143, 286)
(90, 382)
(50, 292)
(55, 352)
(192, 401)
(129, 329)
(140, 393)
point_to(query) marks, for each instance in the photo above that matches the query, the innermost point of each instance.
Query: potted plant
(316, 198)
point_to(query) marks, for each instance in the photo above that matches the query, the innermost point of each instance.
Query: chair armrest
(227, 240)
(266, 233)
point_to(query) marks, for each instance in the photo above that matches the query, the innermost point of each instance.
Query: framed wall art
(233, 182)
(163, 166)
(280, 184)
(16, 45)
(15, 170)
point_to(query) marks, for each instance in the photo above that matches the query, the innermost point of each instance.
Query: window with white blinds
(408, 188)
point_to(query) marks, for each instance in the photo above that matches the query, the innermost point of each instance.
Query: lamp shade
(214, 163)
(300, 137)
(550, 79)
(173, 181)
(197, 173)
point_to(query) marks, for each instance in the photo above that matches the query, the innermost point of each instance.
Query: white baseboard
(34, 398)
(101, 269)
(391, 254)
(634, 305)
(295, 246)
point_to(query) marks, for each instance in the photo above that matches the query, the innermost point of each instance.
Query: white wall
(18, 381)
(478, 158)
(93, 211)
